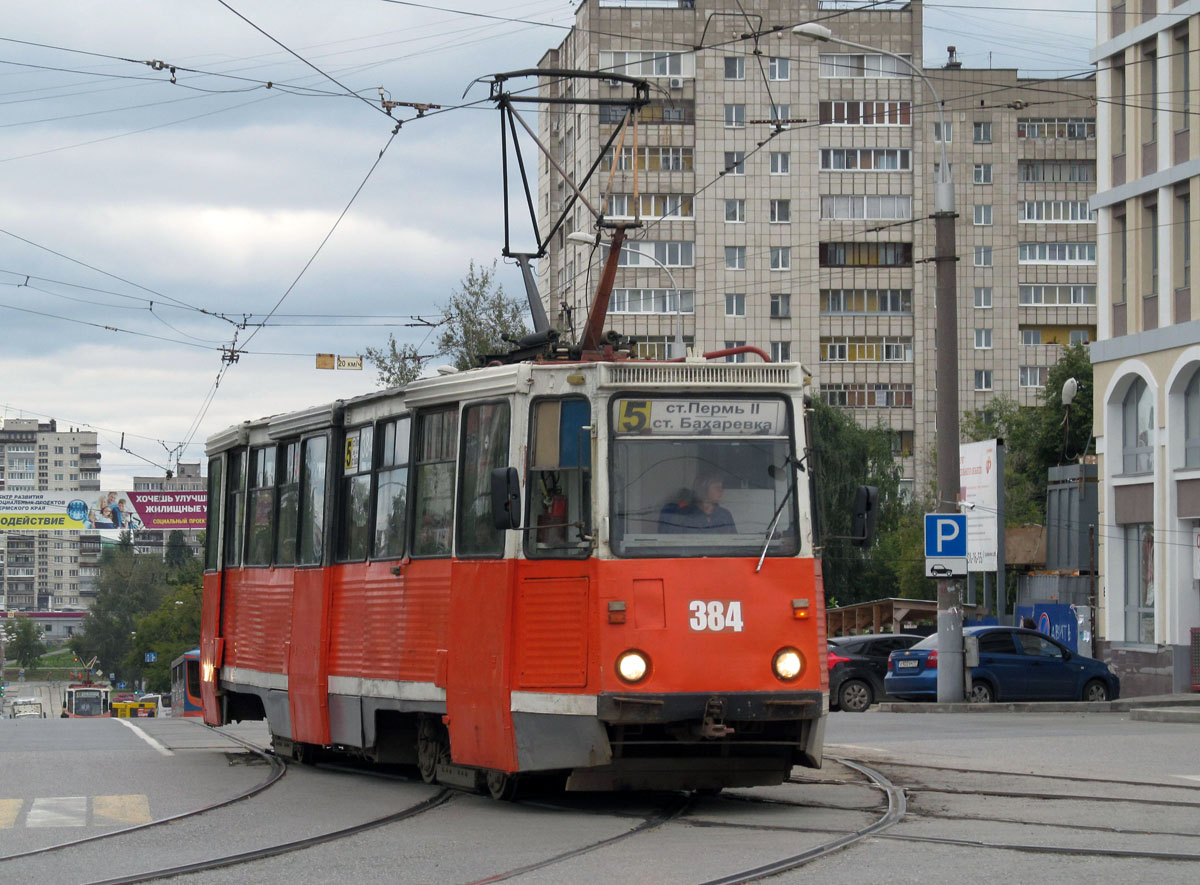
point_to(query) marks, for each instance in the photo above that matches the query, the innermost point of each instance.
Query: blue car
(1014, 665)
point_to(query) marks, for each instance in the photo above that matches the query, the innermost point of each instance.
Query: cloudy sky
(145, 223)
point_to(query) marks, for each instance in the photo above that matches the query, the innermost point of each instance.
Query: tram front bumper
(631, 708)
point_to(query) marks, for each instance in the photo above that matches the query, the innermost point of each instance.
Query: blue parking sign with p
(945, 535)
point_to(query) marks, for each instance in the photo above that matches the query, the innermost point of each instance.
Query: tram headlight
(632, 666)
(788, 664)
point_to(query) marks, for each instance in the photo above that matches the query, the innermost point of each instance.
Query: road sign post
(946, 558)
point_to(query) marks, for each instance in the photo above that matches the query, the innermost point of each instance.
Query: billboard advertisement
(978, 485)
(91, 511)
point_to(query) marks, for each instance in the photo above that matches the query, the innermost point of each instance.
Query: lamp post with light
(676, 350)
(949, 598)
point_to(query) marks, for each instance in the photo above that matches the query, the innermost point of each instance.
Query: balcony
(1149, 157)
(1149, 313)
(1183, 304)
(1181, 148)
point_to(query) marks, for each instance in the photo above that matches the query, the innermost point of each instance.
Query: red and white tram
(600, 569)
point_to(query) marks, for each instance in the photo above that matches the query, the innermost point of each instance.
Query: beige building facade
(1147, 358)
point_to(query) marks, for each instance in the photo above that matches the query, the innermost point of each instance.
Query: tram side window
(354, 525)
(312, 501)
(235, 509)
(289, 504)
(484, 448)
(433, 510)
(391, 494)
(559, 479)
(262, 506)
(212, 533)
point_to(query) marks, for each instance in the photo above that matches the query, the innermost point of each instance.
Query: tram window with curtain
(433, 491)
(235, 509)
(559, 479)
(484, 448)
(355, 524)
(391, 490)
(312, 501)
(289, 504)
(212, 531)
(262, 507)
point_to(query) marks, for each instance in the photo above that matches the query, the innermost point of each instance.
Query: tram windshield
(88, 703)
(703, 477)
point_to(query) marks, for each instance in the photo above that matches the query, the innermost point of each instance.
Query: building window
(1152, 98)
(1078, 336)
(1185, 247)
(735, 116)
(781, 306)
(735, 357)
(780, 162)
(1036, 295)
(1034, 376)
(735, 162)
(1075, 128)
(735, 211)
(882, 208)
(781, 211)
(735, 257)
(866, 349)
(983, 297)
(983, 256)
(659, 347)
(649, 63)
(983, 216)
(1151, 242)
(651, 205)
(657, 158)
(1191, 422)
(865, 113)
(858, 65)
(1055, 212)
(1057, 171)
(937, 131)
(981, 133)
(1031, 337)
(778, 69)
(735, 304)
(735, 67)
(1137, 428)
(1056, 253)
(983, 173)
(781, 351)
(868, 395)
(660, 301)
(865, 254)
(866, 301)
(672, 253)
(983, 379)
(866, 159)
(781, 113)
(1139, 583)
(983, 339)
(781, 257)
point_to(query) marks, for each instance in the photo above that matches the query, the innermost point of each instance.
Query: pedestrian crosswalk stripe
(124, 810)
(58, 811)
(73, 811)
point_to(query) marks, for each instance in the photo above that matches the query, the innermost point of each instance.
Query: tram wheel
(432, 747)
(305, 754)
(501, 785)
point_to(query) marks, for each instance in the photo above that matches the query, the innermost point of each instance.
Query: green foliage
(480, 321)
(1038, 438)
(177, 553)
(23, 641)
(168, 631)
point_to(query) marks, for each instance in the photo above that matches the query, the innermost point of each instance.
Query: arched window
(1191, 422)
(1137, 424)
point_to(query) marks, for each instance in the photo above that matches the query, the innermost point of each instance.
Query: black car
(857, 665)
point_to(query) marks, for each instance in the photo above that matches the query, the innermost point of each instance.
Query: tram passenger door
(212, 645)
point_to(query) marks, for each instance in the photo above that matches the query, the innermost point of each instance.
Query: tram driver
(698, 510)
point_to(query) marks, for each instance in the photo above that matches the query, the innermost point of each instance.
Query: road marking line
(129, 809)
(1188, 777)
(58, 811)
(9, 809)
(151, 741)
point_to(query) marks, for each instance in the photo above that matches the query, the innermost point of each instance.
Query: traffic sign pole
(945, 544)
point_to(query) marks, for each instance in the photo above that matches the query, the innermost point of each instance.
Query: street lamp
(950, 644)
(586, 239)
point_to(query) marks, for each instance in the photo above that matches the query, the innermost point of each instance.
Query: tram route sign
(945, 545)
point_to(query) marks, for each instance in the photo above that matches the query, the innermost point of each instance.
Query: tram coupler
(713, 725)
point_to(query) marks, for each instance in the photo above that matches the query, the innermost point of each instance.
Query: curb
(1167, 714)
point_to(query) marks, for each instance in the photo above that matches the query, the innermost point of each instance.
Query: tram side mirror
(506, 498)
(865, 515)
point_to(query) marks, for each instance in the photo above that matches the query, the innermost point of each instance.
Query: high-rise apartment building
(187, 478)
(1147, 358)
(786, 186)
(42, 571)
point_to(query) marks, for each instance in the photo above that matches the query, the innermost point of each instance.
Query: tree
(168, 631)
(480, 321)
(23, 641)
(177, 553)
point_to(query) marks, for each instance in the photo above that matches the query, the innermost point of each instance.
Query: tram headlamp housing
(633, 666)
(787, 664)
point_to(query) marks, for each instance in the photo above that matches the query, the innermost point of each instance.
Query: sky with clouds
(144, 223)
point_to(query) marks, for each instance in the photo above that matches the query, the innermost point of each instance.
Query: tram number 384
(715, 615)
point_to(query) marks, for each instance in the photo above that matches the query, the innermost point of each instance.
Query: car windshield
(928, 642)
(702, 477)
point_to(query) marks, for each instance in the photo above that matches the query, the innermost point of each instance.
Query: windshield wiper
(778, 512)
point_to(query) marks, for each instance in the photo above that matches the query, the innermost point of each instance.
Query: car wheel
(855, 696)
(1095, 691)
(981, 693)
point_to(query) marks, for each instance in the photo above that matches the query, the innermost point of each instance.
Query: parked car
(857, 665)
(1014, 665)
